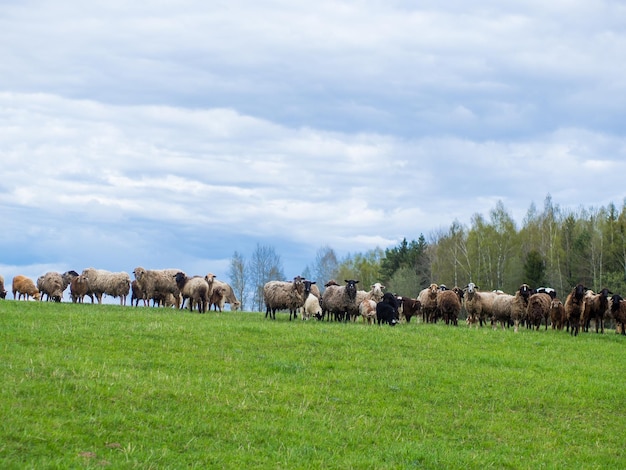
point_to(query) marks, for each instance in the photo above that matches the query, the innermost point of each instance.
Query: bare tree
(238, 275)
(326, 265)
(265, 266)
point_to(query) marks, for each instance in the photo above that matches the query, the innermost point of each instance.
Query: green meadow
(102, 386)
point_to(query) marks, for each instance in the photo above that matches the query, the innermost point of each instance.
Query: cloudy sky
(174, 133)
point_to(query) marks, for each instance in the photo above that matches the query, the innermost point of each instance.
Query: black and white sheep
(195, 288)
(103, 282)
(574, 304)
(283, 295)
(156, 284)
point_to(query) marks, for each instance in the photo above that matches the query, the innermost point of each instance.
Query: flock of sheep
(527, 307)
(172, 288)
(164, 287)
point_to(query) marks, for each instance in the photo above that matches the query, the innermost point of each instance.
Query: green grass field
(101, 386)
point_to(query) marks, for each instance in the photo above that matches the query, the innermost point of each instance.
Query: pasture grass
(102, 386)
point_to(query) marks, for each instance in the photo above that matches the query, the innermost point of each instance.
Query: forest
(554, 247)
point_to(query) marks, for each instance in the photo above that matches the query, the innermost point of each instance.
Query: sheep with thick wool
(79, 288)
(158, 283)
(557, 314)
(478, 304)
(375, 293)
(617, 310)
(3, 291)
(103, 282)
(538, 310)
(594, 308)
(449, 305)
(574, 305)
(283, 295)
(428, 302)
(196, 289)
(53, 284)
(24, 286)
(511, 308)
(311, 307)
(339, 300)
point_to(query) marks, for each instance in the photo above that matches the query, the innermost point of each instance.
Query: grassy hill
(93, 386)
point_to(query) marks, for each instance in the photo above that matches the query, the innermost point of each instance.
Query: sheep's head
(307, 287)
(332, 282)
(351, 288)
(139, 273)
(579, 292)
(615, 301)
(180, 278)
(459, 292)
(525, 291)
(298, 284)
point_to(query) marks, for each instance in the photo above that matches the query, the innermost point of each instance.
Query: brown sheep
(25, 286)
(428, 301)
(557, 314)
(618, 312)
(410, 307)
(574, 304)
(449, 305)
(79, 288)
(538, 310)
(594, 308)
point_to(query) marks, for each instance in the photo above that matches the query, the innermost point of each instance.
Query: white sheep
(282, 295)
(478, 304)
(3, 291)
(106, 282)
(311, 308)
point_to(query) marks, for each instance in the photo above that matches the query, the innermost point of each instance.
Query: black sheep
(387, 310)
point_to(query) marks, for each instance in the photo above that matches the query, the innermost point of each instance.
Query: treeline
(554, 247)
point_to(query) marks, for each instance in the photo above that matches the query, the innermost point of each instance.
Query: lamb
(339, 300)
(594, 308)
(387, 310)
(428, 301)
(367, 310)
(538, 309)
(79, 288)
(574, 304)
(3, 292)
(618, 311)
(478, 304)
(511, 308)
(106, 282)
(195, 288)
(218, 296)
(449, 305)
(557, 314)
(279, 295)
(375, 293)
(158, 283)
(312, 307)
(24, 286)
(410, 307)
